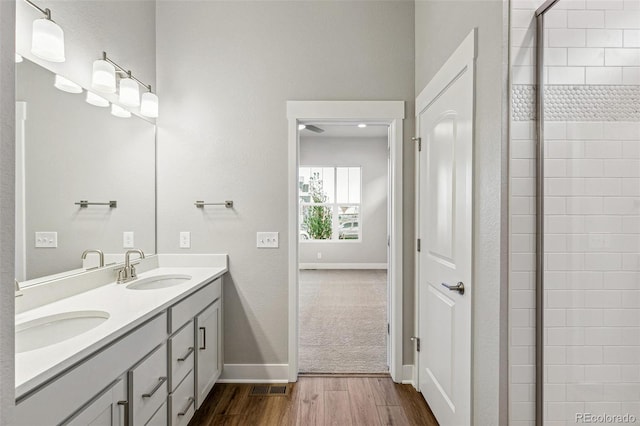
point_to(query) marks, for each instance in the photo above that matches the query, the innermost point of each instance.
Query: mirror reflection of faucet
(128, 273)
(98, 252)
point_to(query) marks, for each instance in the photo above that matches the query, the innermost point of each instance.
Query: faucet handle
(132, 272)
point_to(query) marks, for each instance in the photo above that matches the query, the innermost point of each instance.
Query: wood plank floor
(318, 401)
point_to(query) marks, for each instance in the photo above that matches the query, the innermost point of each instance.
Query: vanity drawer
(182, 402)
(148, 384)
(181, 354)
(185, 310)
(159, 418)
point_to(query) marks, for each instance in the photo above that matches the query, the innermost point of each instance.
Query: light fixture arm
(121, 69)
(46, 12)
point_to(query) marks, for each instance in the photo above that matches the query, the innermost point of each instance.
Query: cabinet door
(109, 409)
(209, 353)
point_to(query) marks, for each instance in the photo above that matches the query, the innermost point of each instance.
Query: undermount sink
(52, 329)
(159, 281)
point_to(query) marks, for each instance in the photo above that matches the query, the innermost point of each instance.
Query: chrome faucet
(99, 252)
(128, 273)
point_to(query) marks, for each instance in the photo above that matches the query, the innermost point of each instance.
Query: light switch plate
(46, 239)
(267, 240)
(185, 239)
(127, 239)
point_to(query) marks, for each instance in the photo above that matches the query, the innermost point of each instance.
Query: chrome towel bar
(84, 204)
(200, 204)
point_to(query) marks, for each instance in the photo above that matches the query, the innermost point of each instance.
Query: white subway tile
(625, 57)
(523, 74)
(567, 38)
(584, 205)
(622, 18)
(520, 318)
(522, 18)
(555, 130)
(602, 224)
(631, 299)
(523, 186)
(563, 187)
(603, 75)
(522, 373)
(618, 392)
(523, 149)
(565, 373)
(560, 299)
(602, 407)
(555, 56)
(521, 412)
(602, 373)
(521, 205)
(577, 355)
(621, 205)
(555, 355)
(589, 56)
(584, 167)
(603, 336)
(631, 337)
(520, 392)
(625, 243)
(603, 186)
(522, 130)
(631, 224)
(631, 373)
(559, 224)
(555, 318)
(603, 261)
(602, 299)
(522, 336)
(630, 262)
(585, 19)
(564, 148)
(605, 4)
(523, 299)
(565, 261)
(585, 130)
(523, 224)
(632, 38)
(629, 280)
(585, 318)
(523, 167)
(555, 18)
(622, 130)
(622, 168)
(622, 318)
(584, 392)
(522, 243)
(522, 280)
(531, 5)
(571, 4)
(631, 188)
(603, 149)
(630, 75)
(604, 38)
(521, 37)
(555, 168)
(561, 413)
(564, 336)
(555, 205)
(631, 4)
(555, 392)
(632, 408)
(585, 280)
(566, 75)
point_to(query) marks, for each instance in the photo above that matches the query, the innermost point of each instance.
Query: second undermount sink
(159, 281)
(52, 329)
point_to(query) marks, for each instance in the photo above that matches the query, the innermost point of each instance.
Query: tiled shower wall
(592, 210)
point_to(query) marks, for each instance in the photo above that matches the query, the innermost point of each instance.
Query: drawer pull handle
(161, 381)
(186, 407)
(185, 356)
(126, 411)
(204, 338)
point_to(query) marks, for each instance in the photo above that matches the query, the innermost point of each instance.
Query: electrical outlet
(127, 239)
(46, 239)
(267, 240)
(319, 255)
(185, 239)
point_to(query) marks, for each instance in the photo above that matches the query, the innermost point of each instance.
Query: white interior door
(444, 122)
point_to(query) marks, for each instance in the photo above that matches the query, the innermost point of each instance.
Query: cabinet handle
(186, 407)
(126, 411)
(185, 356)
(204, 338)
(161, 381)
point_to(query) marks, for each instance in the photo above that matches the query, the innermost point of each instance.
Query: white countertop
(127, 309)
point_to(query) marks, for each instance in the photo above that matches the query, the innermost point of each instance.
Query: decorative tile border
(578, 103)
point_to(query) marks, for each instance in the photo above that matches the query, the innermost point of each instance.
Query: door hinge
(419, 141)
(388, 329)
(418, 244)
(417, 340)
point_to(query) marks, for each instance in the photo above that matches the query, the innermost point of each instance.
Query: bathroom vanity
(146, 352)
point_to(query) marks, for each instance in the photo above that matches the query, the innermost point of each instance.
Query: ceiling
(347, 130)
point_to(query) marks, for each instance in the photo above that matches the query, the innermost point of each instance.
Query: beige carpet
(343, 321)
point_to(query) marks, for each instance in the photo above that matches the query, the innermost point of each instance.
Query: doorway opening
(343, 244)
(340, 219)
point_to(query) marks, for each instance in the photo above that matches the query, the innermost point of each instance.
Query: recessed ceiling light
(362, 125)
(301, 126)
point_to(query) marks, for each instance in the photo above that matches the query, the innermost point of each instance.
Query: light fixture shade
(96, 100)
(129, 92)
(118, 111)
(103, 78)
(47, 40)
(149, 105)
(66, 85)
(19, 58)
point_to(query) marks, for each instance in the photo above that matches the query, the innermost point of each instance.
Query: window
(330, 203)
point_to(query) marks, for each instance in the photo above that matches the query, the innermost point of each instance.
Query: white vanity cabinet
(154, 374)
(209, 350)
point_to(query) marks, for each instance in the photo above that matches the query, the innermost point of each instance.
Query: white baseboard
(342, 266)
(255, 373)
(407, 375)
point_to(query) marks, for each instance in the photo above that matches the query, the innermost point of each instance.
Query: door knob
(458, 287)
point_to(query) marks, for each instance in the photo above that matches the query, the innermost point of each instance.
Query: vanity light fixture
(362, 125)
(66, 85)
(19, 58)
(129, 87)
(118, 111)
(47, 38)
(96, 100)
(103, 78)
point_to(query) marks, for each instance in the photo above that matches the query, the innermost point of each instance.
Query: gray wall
(225, 72)
(371, 156)
(440, 26)
(96, 157)
(7, 233)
